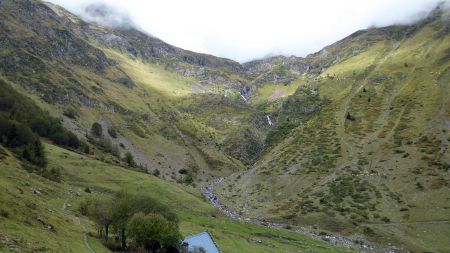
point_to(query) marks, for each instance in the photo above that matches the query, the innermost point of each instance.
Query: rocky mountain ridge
(210, 69)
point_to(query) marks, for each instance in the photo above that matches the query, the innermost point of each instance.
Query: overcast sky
(249, 29)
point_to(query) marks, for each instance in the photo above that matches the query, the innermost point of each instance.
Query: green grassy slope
(66, 67)
(378, 171)
(34, 217)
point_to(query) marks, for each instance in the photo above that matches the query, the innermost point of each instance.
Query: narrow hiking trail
(85, 238)
(66, 208)
(208, 192)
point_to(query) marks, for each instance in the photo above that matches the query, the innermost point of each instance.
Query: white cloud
(247, 29)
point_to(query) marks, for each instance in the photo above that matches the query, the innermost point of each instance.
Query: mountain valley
(352, 140)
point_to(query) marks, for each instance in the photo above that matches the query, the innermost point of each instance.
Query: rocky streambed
(208, 192)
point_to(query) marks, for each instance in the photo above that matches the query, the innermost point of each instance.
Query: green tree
(116, 212)
(129, 159)
(153, 231)
(101, 211)
(350, 117)
(146, 204)
(22, 141)
(121, 215)
(97, 129)
(20, 109)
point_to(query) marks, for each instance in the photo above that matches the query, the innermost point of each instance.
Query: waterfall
(269, 121)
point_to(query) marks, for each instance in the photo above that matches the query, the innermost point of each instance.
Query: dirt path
(208, 192)
(85, 238)
(65, 208)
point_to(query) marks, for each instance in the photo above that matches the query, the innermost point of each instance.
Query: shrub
(83, 207)
(385, 219)
(85, 147)
(71, 113)
(107, 146)
(97, 129)
(65, 138)
(4, 213)
(53, 174)
(129, 159)
(112, 132)
(368, 231)
(419, 186)
(188, 179)
(350, 117)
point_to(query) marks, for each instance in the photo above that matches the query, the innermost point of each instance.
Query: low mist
(246, 30)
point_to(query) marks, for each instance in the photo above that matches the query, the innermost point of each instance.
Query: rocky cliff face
(206, 68)
(292, 63)
(123, 36)
(56, 43)
(283, 70)
(210, 69)
(38, 51)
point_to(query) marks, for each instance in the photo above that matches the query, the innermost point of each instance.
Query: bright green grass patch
(270, 92)
(169, 84)
(87, 172)
(359, 62)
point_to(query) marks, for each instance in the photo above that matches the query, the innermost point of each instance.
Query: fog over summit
(246, 30)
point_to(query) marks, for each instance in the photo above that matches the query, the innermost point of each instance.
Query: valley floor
(42, 215)
(208, 192)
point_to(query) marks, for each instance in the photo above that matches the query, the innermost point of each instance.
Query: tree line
(22, 122)
(140, 220)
